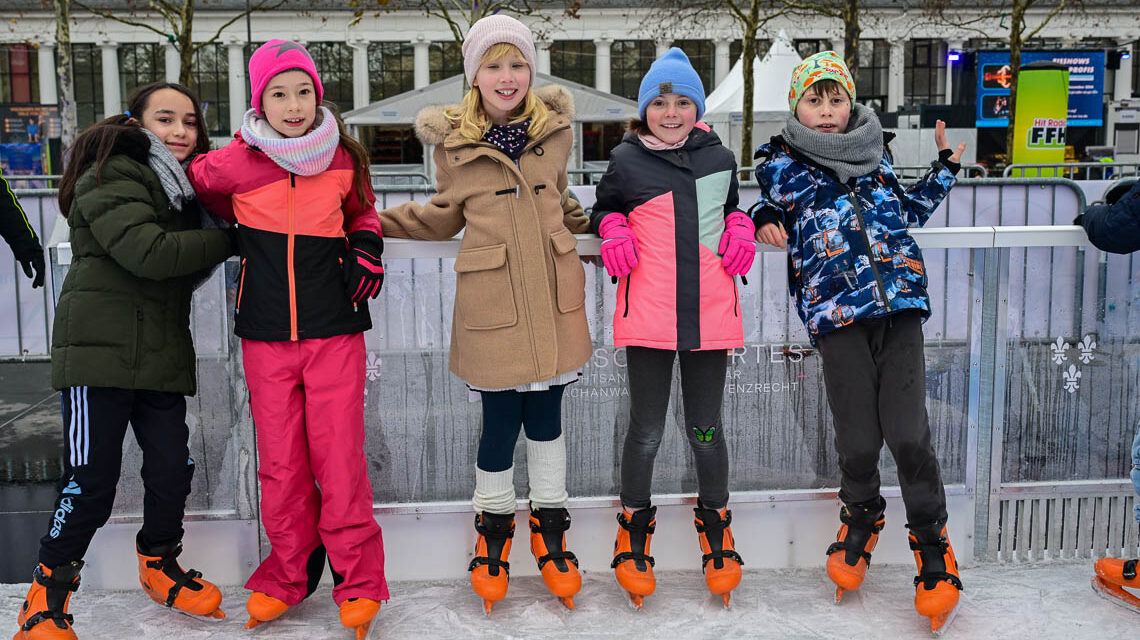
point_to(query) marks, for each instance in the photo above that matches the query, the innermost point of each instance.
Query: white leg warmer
(546, 462)
(494, 491)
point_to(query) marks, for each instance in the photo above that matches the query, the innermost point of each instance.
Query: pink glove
(736, 244)
(619, 245)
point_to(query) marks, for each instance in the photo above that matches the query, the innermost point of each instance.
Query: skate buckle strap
(56, 616)
(846, 546)
(631, 555)
(931, 578)
(181, 581)
(559, 526)
(557, 555)
(492, 562)
(628, 524)
(49, 582)
(849, 519)
(1129, 569)
(720, 554)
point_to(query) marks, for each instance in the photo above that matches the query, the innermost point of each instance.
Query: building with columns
(905, 59)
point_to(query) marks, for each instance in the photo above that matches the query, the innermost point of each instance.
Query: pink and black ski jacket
(678, 297)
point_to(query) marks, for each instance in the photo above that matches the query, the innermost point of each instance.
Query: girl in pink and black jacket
(298, 187)
(672, 232)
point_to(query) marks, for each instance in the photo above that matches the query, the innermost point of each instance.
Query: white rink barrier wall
(1010, 427)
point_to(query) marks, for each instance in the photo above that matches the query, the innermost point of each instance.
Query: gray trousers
(875, 373)
(702, 390)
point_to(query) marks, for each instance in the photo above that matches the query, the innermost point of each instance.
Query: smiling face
(289, 102)
(824, 107)
(671, 117)
(503, 80)
(169, 114)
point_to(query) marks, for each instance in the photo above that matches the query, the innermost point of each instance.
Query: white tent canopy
(590, 105)
(770, 78)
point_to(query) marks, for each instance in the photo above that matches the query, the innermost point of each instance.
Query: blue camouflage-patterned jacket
(850, 256)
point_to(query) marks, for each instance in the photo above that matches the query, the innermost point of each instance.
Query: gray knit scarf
(854, 153)
(170, 172)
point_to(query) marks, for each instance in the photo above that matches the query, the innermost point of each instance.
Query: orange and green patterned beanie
(825, 65)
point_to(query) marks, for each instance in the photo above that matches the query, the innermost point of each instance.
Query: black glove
(364, 273)
(944, 158)
(33, 261)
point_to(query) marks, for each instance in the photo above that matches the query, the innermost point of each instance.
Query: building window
(334, 62)
(737, 48)
(574, 60)
(702, 55)
(392, 145)
(925, 74)
(629, 62)
(598, 139)
(445, 59)
(391, 69)
(140, 64)
(874, 71)
(87, 76)
(19, 73)
(811, 47)
(211, 83)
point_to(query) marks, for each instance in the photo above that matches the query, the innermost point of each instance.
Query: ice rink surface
(1015, 601)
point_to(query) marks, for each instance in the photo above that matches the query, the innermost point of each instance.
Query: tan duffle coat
(520, 287)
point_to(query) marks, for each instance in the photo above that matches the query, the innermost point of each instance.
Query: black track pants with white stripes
(95, 422)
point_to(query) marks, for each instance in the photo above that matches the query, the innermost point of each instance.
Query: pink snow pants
(307, 400)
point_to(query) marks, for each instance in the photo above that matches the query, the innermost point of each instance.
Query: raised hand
(940, 141)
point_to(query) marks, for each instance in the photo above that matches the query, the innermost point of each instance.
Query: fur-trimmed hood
(433, 127)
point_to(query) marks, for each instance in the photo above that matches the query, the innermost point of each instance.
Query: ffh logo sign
(1046, 133)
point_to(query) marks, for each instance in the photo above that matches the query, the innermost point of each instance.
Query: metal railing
(1074, 170)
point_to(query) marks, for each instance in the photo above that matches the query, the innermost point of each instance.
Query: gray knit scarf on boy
(851, 154)
(170, 172)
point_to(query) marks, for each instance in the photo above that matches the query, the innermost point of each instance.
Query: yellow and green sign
(1041, 119)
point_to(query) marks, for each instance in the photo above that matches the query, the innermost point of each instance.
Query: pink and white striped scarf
(307, 155)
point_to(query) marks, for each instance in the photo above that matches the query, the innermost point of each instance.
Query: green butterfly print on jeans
(704, 436)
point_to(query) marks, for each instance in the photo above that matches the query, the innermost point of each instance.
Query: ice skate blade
(364, 631)
(253, 622)
(939, 624)
(1115, 594)
(635, 601)
(568, 602)
(487, 604)
(838, 596)
(214, 616)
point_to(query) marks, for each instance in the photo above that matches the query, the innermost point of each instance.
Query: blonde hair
(472, 121)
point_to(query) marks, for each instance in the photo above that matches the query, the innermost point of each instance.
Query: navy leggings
(504, 412)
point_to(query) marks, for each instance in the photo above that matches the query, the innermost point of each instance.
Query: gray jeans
(702, 390)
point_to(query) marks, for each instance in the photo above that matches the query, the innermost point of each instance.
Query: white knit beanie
(489, 32)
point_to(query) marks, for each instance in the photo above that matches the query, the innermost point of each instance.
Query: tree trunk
(748, 52)
(1016, 29)
(186, 45)
(851, 33)
(67, 118)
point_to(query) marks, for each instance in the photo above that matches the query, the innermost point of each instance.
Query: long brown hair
(361, 176)
(120, 133)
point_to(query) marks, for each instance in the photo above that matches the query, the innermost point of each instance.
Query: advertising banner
(1086, 85)
(1042, 107)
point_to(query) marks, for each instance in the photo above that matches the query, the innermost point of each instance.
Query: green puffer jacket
(123, 318)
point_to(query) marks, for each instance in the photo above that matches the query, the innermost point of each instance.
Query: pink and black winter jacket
(678, 297)
(292, 234)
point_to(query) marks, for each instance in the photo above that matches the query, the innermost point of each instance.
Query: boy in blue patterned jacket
(860, 288)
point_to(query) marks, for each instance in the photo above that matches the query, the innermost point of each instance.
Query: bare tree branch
(108, 15)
